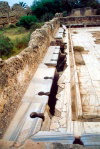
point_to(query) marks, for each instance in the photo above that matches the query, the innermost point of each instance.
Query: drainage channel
(61, 66)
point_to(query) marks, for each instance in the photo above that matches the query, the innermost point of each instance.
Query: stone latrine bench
(75, 25)
(60, 33)
(52, 55)
(34, 100)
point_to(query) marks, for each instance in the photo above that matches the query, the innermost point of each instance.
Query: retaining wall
(83, 12)
(85, 20)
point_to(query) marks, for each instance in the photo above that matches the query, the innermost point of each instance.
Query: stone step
(52, 136)
(91, 140)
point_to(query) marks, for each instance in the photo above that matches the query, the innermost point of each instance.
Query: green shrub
(12, 26)
(47, 17)
(36, 25)
(27, 21)
(20, 30)
(6, 46)
(21, 43)
(64, 13)
(18, 24)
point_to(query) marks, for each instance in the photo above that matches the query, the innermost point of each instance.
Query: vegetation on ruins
(6, 45)
(27, 21)
(14, 39)
(48, 8)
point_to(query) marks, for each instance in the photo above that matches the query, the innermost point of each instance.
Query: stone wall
(10, 15)
(85, 20)
(83, 12)
(16, 72)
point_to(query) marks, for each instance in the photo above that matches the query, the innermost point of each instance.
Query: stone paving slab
(91, 127)
(89, 74)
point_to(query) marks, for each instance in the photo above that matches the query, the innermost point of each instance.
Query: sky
(11, 2)
(28, 2)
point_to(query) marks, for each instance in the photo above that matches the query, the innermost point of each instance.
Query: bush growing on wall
(27, 21)
(6, 46)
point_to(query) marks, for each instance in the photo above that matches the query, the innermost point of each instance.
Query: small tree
(27, 21)
(6, 46)
(47, 17)
(22, 4)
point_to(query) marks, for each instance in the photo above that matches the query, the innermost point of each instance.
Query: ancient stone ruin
(83, 12)
(10, 15)
(50, 92)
